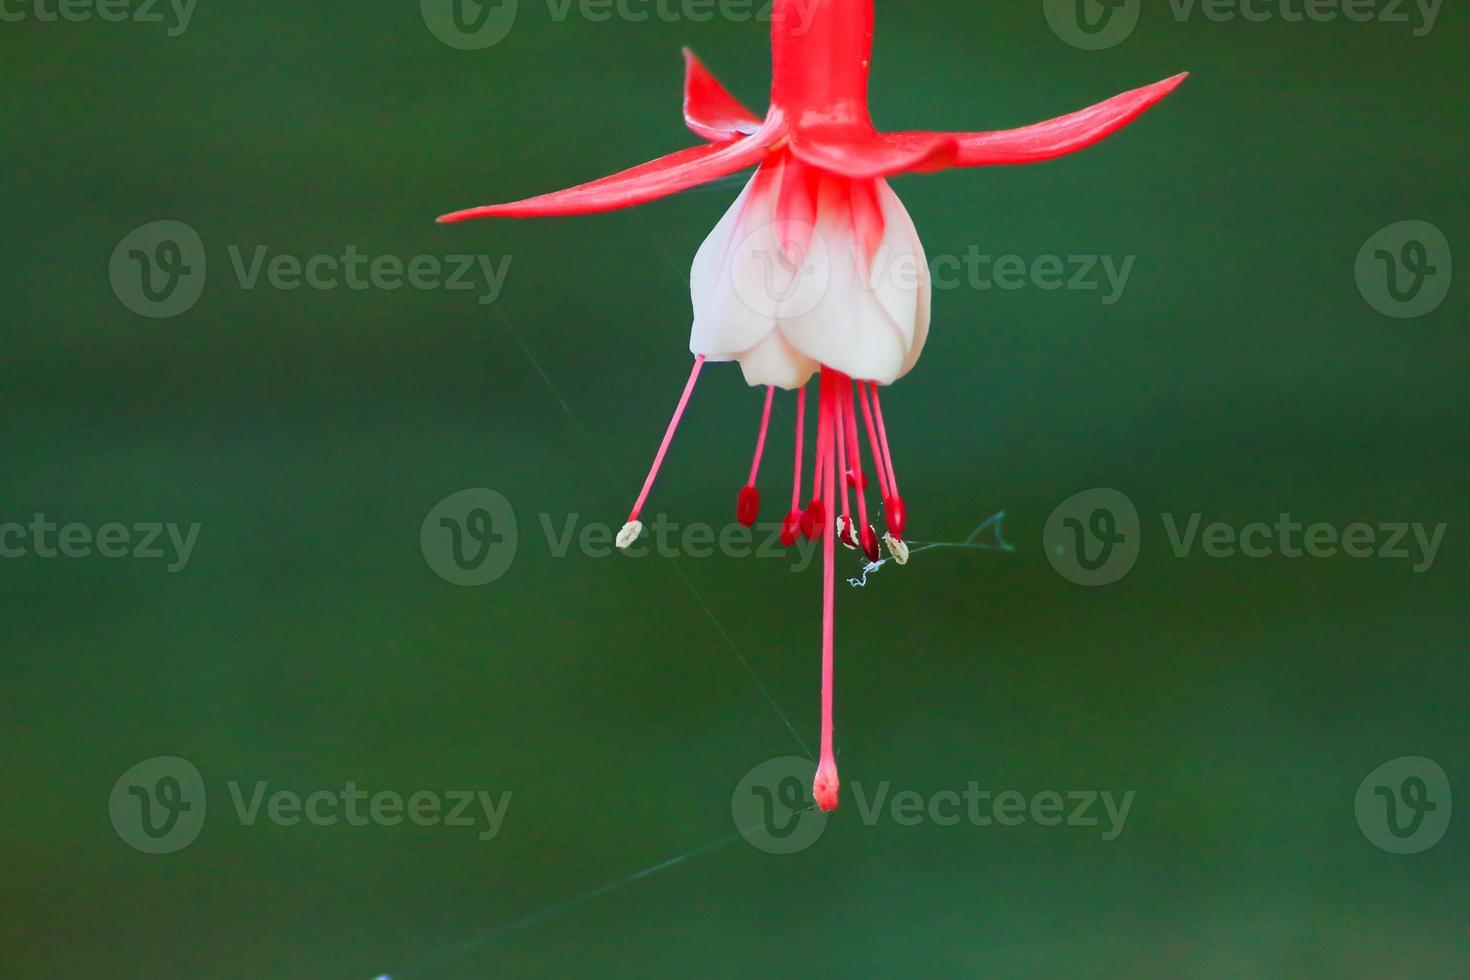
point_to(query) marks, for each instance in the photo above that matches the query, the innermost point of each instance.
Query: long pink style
(825, 785)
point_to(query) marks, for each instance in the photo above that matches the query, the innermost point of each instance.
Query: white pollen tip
(896, 548)
(629, 534)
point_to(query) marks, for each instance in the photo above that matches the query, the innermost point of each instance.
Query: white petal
(775, 362)
(864, 322)
(747, 272)
(925, 287)
(783, 300)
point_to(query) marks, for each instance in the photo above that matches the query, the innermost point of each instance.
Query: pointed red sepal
(658, 178)
(855, 152)
(709, 108)
(1053, 138)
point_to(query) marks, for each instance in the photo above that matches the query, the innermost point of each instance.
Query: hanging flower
(816, 268)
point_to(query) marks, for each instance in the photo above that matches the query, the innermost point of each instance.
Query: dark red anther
(870, 543)
(747, 506)
(813, 520)
(790, 528)
(857, 478)
(894, 515)
(846, 536)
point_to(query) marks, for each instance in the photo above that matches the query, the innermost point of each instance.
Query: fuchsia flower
(816, 268)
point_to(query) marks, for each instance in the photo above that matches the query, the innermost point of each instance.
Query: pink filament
(840, 427)
(760, 441)
(663, 448)
(849, 416)
(800, 425)
(883, 438)
(823, 445)
(883, 486)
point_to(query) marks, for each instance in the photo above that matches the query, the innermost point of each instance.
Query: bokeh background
(308, 642)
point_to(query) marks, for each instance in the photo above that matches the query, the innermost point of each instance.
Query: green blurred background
(308, 642)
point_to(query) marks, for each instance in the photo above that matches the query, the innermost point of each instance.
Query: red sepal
(1053, 138)
(646, 182)
(709, 108)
